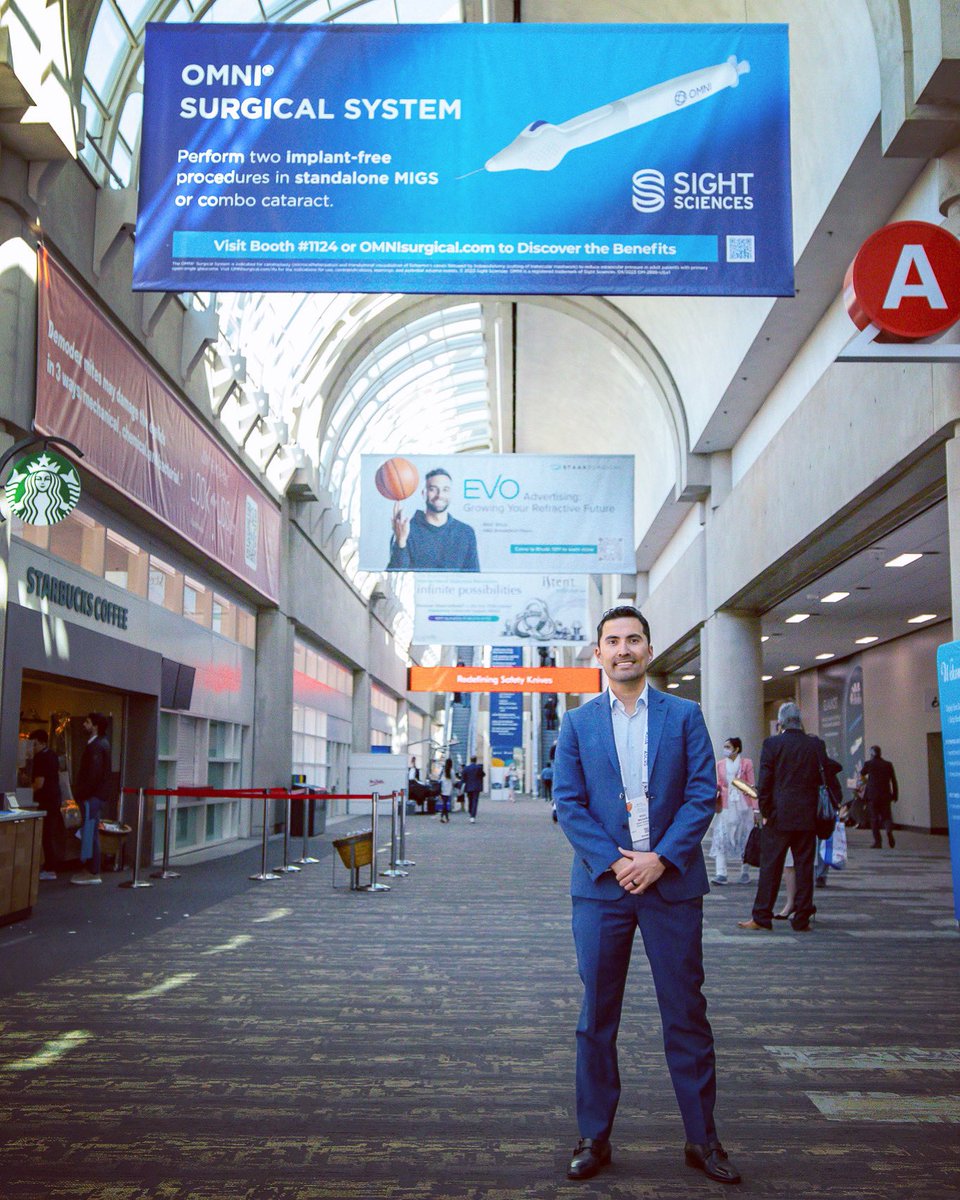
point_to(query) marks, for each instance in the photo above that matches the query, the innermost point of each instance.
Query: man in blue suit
(635, 787)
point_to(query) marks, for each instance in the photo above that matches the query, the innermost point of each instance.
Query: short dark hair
(437, 471)
(101, 722)
(875, 751)
(736, 744)
(39, 735)
(473, 758)
(623, 610)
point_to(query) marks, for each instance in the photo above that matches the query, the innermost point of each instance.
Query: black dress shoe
(712, 1160)
(589, 1157)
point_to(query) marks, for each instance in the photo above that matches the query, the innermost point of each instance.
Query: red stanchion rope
(205, 793)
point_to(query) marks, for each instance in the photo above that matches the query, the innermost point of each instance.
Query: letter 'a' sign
(905, 281)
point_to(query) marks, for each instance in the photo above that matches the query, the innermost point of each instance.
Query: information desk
(20, 855)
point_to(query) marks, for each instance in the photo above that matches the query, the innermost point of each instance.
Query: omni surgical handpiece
(541, 146)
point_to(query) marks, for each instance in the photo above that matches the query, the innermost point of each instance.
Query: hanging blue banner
(500, 159)
(506, 708)
(948, 679)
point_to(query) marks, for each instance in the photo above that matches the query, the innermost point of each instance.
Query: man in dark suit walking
(880, 792)
(634, 786)
(473, 785)
(792, 766)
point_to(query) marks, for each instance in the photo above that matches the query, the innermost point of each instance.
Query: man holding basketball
(432, 540)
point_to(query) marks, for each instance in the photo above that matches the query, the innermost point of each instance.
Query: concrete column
(272, 712)
(360, 743)
(731, 691)
(952, 453)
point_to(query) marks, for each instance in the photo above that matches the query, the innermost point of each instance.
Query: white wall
(899, 679)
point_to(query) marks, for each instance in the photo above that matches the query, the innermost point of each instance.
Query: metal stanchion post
(288, 868)
(165, 872)
(264, 873)
(136, 881)
(373, 886)
(305, 855)
(393, 871)
(403, 861)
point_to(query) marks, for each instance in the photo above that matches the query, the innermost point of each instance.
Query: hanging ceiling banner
(572, 515)
(502, 610)
(500, 159)
(95, 388)
(570, 680)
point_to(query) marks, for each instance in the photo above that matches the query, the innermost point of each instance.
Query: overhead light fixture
(765, 678)
(865, 641)
(824, 657)
(794, 667)
(687, 678)
(834, 597)
(903, 560)
(671, 686)
(765, 637)
(921, 617)
(797, 618)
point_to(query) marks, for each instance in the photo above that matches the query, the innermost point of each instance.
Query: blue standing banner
(499, 159)
(948, 680)
(506, 710)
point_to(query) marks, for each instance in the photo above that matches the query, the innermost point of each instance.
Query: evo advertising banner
(520, 513)
(501, 610)
(96, 389)
(948, 678)
(501, 159)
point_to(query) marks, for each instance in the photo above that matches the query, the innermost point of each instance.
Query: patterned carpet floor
(293, 1041)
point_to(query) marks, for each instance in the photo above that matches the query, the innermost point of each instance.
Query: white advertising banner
(502, 610)
(517, 513)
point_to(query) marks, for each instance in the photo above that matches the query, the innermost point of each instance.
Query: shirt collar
(642, 701)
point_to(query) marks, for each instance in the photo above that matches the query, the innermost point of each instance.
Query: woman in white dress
(735, 810)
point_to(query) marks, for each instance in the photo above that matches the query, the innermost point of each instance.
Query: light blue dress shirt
(630, 735)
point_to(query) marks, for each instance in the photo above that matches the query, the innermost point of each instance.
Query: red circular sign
(906, 281)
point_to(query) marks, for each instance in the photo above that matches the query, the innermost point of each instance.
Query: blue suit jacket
(588, 793)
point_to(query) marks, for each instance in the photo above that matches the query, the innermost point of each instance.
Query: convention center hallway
(290, 1041)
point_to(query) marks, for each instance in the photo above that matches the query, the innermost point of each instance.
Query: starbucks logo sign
(43, 488)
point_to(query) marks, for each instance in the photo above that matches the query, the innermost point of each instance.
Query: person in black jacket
(792, 766)
(90, 790)
(880, 792)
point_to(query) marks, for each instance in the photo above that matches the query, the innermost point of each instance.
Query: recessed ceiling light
(765, 638)
(921, 617)
(865, 641)
(824, 657)
(795, 667)
(765, 678)
(671, 686)
(834, 597)
(797, 618)
(687, 678)
(903, 560)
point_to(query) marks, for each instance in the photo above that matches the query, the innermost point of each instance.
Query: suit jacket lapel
(605, 721)
(656, 715)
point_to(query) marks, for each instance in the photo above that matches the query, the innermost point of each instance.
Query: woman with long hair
(446, 791)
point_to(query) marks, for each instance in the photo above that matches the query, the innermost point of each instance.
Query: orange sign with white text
(503, 679)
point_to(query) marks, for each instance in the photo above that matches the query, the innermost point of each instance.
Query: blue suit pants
(603, 932)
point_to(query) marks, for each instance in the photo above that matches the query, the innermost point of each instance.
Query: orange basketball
(397, 479)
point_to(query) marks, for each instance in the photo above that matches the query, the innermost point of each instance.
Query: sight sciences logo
(702, 190)
(649, 190)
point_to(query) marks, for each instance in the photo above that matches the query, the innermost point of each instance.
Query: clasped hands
(637, 870)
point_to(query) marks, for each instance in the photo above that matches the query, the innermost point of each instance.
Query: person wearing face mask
(735, 810)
